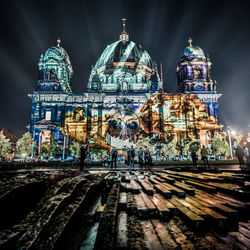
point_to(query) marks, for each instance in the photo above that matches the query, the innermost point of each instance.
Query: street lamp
(64, 145)
(230, 140)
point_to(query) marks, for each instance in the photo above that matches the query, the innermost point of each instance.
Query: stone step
(193, 208)
(163, 234)
(163, 190)
(189, 190)
(165, 178)
(168, 204)
(150, 237)
(217, 206)
(178, 236)
(123, 201)
(196, 221)
(146, 187)
(175, 190)
(148, 202)
(219, 219)
(201, 186)
(163, 210)
(106, 229)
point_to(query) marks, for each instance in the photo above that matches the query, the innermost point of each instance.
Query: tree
(219, 145)
(45, 149)
(51, 148)
(12, 135)
(74, 149)
(24, 145)
(195, 146)
(4, 146)
(236, 139)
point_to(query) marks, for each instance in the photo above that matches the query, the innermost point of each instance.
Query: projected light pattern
(55, 70)
(125, 104)
(119, 124)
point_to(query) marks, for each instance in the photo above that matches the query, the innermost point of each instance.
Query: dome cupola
(55, 70)
(192, 51)
(193, 71)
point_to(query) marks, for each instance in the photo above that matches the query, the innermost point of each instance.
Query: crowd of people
(143, 155)
(204, 157)
(145, 159)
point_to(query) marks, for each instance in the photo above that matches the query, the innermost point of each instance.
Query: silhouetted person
(128, 156)
(240, 154)
(113, 157)
(83, 152)
(204, 155)
(140, 157)
(150, 161)
(194, 158)
(247, 150)
(132, 157)
(146, 157)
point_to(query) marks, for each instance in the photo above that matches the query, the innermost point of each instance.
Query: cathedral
(125, 103)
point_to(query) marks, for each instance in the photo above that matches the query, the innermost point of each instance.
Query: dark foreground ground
(173, 208)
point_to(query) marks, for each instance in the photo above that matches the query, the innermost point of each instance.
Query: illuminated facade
(125, 103)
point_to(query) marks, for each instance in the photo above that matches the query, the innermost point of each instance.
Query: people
(146, 157)
(194, 158)
(150, 161)
(240, 154)
(247, 150)
(83, 154)
(140, 157)
(132, 158)
(204, 155)
(113, 157)
(128, 156)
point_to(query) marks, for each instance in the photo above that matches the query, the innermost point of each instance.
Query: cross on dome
(123, 25)
(124, 35)
(190, 42)
(58, 42)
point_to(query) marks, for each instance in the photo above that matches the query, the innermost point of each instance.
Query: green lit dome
(123, 66)
(59, 53)
(193, 51)
(55, 66)
(124, 51)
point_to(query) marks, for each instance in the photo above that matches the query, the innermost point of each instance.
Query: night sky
(28, 28)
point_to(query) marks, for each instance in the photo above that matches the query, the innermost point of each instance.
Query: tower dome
(123, 66)
(55, 70)
(193, 51)
(193, 71)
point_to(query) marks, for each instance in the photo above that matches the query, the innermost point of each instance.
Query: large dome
(124, 66)
(124, 51)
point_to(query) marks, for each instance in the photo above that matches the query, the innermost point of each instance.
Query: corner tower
(193, 74)
(52, 91)
(193, 71)
(55, 70)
